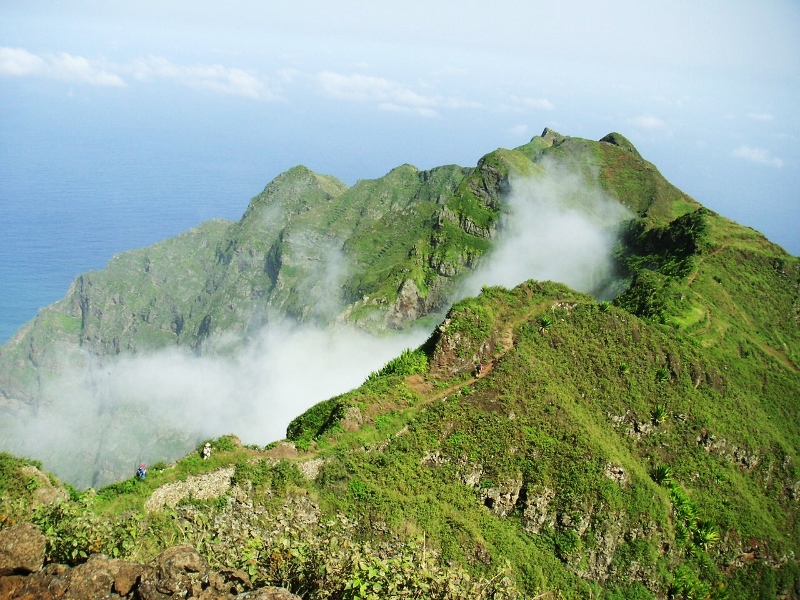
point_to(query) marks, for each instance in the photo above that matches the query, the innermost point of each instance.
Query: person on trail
(141, 472)
(206, 451)
(479, 369)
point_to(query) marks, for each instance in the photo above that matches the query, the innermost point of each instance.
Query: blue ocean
(67, 210)
(84, 178)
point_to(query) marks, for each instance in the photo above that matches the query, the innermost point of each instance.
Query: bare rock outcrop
(502, 499)
(21, 549)
(199, 487)
(179, 572)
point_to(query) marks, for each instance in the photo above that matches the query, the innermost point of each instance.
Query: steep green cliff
(383, 253)
(539, 444)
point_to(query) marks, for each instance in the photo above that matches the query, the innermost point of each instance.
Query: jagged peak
(617, 139)
(550, 136)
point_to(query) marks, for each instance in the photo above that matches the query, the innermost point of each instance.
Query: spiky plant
(705, 534)
(661, 474)
(659, 414)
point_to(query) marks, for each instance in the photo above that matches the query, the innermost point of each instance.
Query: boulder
(92, 579)
(21, 549)
(179, 572)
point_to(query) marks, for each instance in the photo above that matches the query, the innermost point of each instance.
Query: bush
(73, 532)
(323, 561)
(410, 362)
(316, 420)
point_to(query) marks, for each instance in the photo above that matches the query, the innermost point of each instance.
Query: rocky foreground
(179, 572)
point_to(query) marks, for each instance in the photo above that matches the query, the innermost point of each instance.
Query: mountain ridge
(645, 447)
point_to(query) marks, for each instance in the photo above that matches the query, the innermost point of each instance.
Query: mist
(97, 422)
(101, 417)
(557, 225)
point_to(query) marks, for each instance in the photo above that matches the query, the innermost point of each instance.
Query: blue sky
(707, 91)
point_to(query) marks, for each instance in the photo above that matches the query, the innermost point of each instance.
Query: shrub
(223, 444)
(73, 532)
(316, 420)
(705, 534)
(410, 362)
(661, 474)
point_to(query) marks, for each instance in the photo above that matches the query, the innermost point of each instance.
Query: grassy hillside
(597, 453)
(539, 444)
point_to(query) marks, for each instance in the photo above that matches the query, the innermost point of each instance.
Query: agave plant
(661, 474)
(662, 374)
(685, 509)
(705, 534)
(659, 414)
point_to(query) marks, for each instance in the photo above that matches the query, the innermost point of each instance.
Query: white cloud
(760, 116)
(16, 61)
(69, 67)
(759, 156)
(157, 406)
(386, 94)
(648, 123)
(560, 226)
(217, 78)
(66, 67)
(535, 103)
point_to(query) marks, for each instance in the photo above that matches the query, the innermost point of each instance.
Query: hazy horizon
(148, 118)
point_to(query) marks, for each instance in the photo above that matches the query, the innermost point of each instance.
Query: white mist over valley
(556, 226)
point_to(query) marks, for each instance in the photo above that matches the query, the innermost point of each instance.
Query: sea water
(65, 212)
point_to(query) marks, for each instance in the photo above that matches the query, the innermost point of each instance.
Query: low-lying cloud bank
(101, 419)
(558, 226)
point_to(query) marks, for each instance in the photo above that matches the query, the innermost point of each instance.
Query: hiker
(141, 472)
(479, 369)
(206, 451)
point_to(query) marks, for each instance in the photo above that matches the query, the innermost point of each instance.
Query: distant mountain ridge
(540, 443)
(380, 254)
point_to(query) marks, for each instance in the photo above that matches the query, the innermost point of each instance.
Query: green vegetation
(410, 362)
(642, 448)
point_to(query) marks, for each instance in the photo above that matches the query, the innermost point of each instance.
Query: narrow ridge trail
(505, 343)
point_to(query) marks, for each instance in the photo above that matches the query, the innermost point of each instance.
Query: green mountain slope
(383, 253)
(642, 448)
(596, 454)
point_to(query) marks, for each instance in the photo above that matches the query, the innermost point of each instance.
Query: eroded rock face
(21, 549)
(502, 499)
(537, 515)
(179, 572)
(201, 487)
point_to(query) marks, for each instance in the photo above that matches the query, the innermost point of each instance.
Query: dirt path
(505, 343)
(693, 276)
